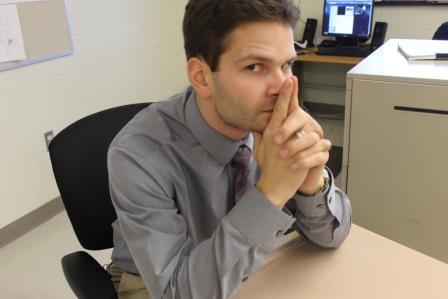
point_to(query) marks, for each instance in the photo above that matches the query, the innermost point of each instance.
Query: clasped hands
(290, 163)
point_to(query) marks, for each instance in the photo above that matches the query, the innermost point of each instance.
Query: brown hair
(207, 23)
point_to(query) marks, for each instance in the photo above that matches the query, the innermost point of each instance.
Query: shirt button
(279, 233)
(244, 278)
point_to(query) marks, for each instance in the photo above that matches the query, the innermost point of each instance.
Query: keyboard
(344, 51)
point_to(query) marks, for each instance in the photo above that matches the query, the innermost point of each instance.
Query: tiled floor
(30, 267)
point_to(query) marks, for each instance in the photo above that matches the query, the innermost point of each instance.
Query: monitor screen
(348, 18)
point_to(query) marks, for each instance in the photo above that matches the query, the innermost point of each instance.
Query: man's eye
(253, 67)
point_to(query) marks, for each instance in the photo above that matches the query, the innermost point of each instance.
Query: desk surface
(365, 266)
(311, 56)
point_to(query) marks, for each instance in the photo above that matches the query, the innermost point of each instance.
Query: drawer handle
(421, 110)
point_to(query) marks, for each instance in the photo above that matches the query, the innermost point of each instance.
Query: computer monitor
(350, 21)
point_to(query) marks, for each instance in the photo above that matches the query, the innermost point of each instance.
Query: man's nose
(276, 81)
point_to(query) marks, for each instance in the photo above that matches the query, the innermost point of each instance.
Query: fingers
(294, 122)
(296, 145)
(299, 120)
(282, 105)
(305, 146)
(314, 126)
(294, 100)
(307, 151)
(317, 159)
(322, 145)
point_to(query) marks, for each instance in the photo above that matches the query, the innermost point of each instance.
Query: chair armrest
(86, 277)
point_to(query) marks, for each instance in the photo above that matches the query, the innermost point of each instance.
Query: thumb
(257, 139)
(258, 148)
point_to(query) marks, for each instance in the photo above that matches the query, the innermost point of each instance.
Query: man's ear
(199, 75)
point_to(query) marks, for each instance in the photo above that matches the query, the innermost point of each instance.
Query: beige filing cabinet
(395, 160)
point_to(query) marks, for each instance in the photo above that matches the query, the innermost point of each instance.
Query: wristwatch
(326, 177)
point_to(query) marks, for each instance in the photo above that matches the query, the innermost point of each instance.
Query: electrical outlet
(48, 137)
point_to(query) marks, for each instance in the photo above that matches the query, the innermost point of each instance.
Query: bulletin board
(45, 30)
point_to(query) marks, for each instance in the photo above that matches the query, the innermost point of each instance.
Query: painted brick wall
(124, 52)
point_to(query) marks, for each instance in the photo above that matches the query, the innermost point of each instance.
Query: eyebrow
(262, 58)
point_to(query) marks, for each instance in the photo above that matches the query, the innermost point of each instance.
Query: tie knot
(242, 156)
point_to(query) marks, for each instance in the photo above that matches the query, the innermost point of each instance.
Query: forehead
(271, 40)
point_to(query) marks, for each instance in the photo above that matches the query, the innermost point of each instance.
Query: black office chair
(441, 32)
(79, 158)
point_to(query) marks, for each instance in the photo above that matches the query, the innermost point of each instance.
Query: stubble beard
(235, 116)
(241, 123)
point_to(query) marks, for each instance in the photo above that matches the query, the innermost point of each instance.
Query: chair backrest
(79, 158)
(442, 32)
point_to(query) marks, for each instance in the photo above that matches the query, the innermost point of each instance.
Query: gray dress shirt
(178, 224)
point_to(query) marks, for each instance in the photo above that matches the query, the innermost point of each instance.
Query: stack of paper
(424, 49)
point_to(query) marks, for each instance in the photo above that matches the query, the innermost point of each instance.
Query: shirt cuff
(319, 204)
(259, 220)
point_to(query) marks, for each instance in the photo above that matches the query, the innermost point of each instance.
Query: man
(206, 182)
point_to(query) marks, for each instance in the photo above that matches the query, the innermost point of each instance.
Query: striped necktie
(241, 162)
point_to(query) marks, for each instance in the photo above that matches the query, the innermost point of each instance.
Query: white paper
(422, 49)
(17, 1)
(12, 47)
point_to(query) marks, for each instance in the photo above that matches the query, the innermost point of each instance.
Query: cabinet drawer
(397, 175)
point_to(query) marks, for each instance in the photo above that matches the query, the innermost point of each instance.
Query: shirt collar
(216, 144)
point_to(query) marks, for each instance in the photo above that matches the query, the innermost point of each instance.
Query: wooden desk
(311, 56)
(365, 266)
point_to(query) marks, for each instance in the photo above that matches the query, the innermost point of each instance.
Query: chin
(259, 129)
(257, 125)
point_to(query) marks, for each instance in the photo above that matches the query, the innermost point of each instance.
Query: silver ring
(300, 133)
